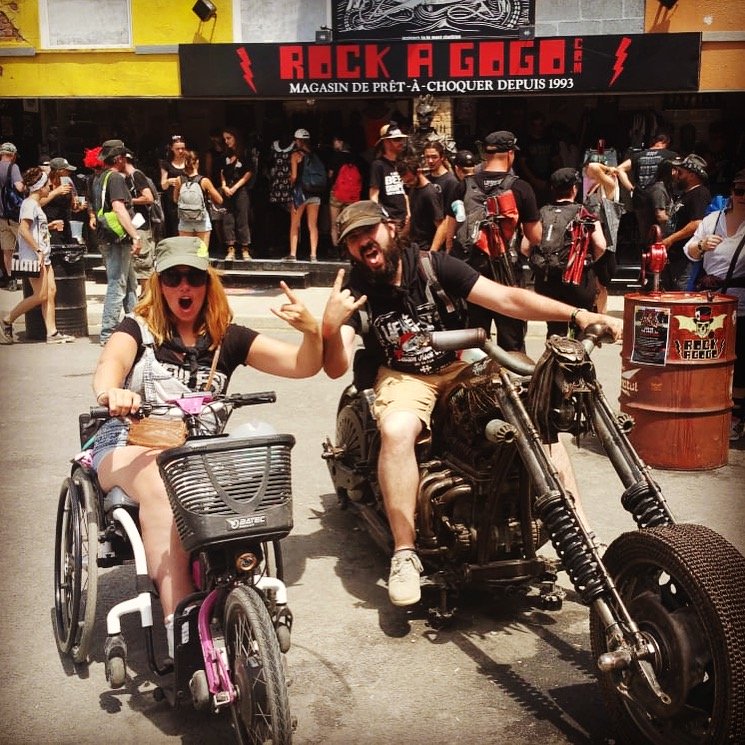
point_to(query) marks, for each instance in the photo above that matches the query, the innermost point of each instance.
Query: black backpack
(551, 256)
(474, 204)
(10, 198)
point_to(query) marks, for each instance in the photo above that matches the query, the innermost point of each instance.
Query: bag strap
(733, 263)
(105, 181)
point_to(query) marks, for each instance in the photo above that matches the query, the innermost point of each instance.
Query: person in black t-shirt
(386, 187)
(386, 281)
(425, 203)
(690, 175)
(180, 339)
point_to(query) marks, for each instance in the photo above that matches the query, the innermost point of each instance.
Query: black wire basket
(226, 489)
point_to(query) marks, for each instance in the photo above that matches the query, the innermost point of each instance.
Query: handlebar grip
(596, 334)
(99, 412)
(448, 341)
(249, 399)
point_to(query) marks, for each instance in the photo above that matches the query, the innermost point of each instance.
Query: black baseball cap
(500, 142)
(465, 159)
(564, 177)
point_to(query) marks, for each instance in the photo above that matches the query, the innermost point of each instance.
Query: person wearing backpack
(191, 200)
(11, 196)
(346, 183)
(118, 238)
(496, 179)
(309, 178)
(561, 243)
(237, 171)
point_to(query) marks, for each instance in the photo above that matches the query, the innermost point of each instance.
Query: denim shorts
(113, 434)
(195, 226)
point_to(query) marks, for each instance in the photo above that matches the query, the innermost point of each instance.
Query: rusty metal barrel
(676, 377)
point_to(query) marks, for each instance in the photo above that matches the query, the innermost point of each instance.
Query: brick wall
(567, 17)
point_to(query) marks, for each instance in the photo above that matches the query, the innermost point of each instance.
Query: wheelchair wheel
(261, 711)
(75, 566)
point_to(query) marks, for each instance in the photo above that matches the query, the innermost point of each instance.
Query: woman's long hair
(213, 319)
(191, 158)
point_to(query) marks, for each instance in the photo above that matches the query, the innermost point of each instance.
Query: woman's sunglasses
(174, 277)
(738, 191)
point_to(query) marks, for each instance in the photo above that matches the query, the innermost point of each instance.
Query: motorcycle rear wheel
(682, 585)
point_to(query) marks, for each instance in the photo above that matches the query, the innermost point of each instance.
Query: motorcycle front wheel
(261, 712)
(683, 587)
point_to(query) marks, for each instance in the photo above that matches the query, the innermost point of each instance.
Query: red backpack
(348, 185)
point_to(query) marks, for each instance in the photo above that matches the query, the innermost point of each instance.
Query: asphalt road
(362, 671)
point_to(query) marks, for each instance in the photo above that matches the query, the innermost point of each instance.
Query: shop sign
(573, 64)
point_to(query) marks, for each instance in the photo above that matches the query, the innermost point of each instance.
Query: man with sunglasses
(113, 195)
(386, 282)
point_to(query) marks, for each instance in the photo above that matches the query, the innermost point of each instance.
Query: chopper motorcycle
(666, 600)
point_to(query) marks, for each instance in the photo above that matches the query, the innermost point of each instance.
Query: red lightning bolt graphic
(246, 63)
(621, 57)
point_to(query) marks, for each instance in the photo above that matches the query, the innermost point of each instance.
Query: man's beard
(386, 274)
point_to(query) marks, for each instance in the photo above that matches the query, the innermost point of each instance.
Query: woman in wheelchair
(181, 339)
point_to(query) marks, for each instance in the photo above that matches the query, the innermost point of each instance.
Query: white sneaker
(59, 338)
(404, 587)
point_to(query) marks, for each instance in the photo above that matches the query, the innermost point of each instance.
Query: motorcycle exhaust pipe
(500, 432)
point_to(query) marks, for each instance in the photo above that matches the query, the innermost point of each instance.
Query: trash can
(677, 364)
(70, 303)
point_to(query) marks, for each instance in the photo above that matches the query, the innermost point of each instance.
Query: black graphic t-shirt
(399, 317)
(385, 177)
(191, 365)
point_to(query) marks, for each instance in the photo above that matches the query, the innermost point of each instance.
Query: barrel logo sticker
(651, 330)
(698, 338)
(629, 386)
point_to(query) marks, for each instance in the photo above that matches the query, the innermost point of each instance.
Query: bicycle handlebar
(235, 401)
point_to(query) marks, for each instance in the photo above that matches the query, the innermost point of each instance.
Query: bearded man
(391, 304)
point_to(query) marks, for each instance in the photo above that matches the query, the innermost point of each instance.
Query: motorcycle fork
(643, 498)
(629, 649)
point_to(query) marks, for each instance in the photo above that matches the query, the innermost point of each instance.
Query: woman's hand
(339, 307)
(709, 243)
(295, 313)
(120, 401)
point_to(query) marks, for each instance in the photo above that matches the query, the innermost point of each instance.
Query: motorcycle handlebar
(593, 336)
(452, 341)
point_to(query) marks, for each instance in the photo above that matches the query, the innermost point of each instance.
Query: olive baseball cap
(360, 215)
(181, 251)
(61, 164)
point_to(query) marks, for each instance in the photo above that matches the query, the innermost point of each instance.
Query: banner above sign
(572, 64)
(369, 20)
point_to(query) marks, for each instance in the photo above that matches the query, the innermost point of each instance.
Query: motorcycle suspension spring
(645, 507)
(571, 545)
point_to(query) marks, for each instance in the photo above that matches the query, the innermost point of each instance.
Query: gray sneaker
(403, 581)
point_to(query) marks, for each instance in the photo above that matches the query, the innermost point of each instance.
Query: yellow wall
(722, 61)
(100, 73)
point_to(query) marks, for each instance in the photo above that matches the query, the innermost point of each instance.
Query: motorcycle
(666, 600)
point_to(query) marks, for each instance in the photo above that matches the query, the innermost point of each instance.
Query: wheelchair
(232, 504)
